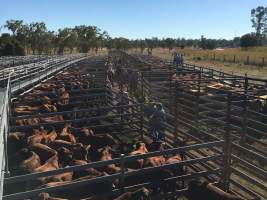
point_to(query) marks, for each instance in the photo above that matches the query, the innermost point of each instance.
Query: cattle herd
(45, 137)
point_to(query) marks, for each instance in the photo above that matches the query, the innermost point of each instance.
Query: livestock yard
(69, 130)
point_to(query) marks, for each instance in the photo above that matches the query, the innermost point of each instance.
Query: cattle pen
(215, 120)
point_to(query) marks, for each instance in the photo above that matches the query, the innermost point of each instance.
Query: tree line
(35, 38)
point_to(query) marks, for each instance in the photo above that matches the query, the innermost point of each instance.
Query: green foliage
(259, 19)
(10, 46)
(35, 38)
(248, 40)
(207, 43)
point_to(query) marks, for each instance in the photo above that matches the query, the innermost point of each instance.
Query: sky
(135, 19)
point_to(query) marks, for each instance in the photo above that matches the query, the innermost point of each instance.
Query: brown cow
(26, 110)
(41, 135)
(51, 136)
(29, 121)
(106, 155)
(48, 108)
(64, 156)
(140, 149)
(86, 172)
(46, 196)
(50, 164)
(79, 151)
(56, 118)
(140, 194)
(97, 141)
(15, 142)
(208, 191)
(37, 137)
(64, 98)
(25, 161)
(43, 151)
(66, 134)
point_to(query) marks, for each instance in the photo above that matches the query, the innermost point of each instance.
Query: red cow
(142, 194)
(208, 191)
(140, 149)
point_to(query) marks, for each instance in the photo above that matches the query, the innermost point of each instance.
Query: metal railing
(223, 114)
(15, 82)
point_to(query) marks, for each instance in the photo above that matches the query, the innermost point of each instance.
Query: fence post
(176, 108)
(142, 106)
(214, 56)
(6, 131)
(197, 103)
(263, 61)
(247, 59)
(234, 58)
(227, 146)
(244, 121)
(122, 172)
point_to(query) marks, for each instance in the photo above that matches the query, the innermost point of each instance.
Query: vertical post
(170, 92)
(214, 56)
(234, 58)
(122, 178)
(227, 146)
(176, 108)
(142, 106)
(244, 120)
(247, 59)
(263, 61)
(197, 103)
(7, 125)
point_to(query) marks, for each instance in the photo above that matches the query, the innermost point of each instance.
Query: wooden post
(244, 120)
(247, 59)
(176, 109)
(263, 61)
(142, 107)
(6, 127)
(227, 146)
(197, 102)
(224, 58)
(122, 178)
(214, 56)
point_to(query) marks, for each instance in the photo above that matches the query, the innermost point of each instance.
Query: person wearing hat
(156, 122)
(124, 100)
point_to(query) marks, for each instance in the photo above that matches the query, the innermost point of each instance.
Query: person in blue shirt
(156, 122)
(181, 60)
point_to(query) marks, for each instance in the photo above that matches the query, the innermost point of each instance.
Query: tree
(87, 36)
(207, 43)
(8, 50)
(37, 36)
(259, 19)
(13, 25)
(67, 38)
(170, 43)
(151, 44)
(248, 40)
(18, 49)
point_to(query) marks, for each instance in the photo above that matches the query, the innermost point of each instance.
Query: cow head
(66, 128)
(64, 155)
(80, 151)
(142, 147)
(87, 132)
(142, 194)
(106, 152)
